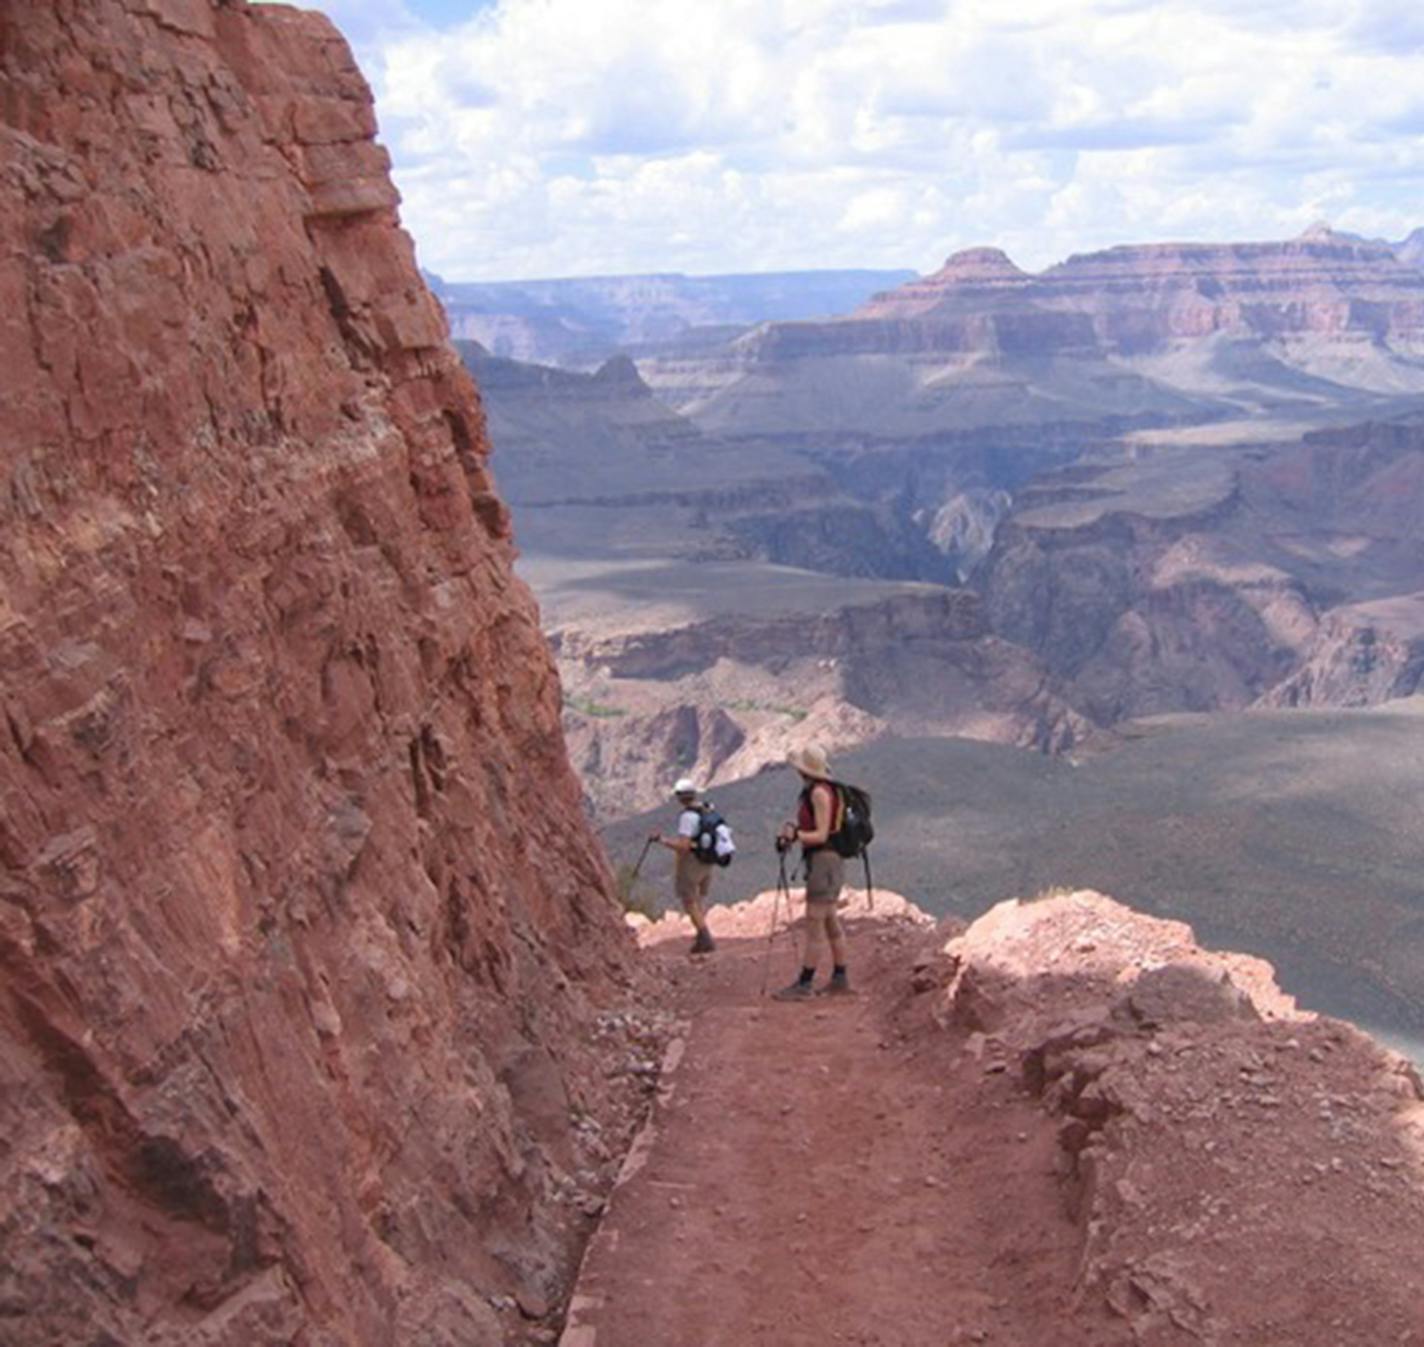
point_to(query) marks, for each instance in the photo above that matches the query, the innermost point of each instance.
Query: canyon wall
(1145, 295)
(727, 697)
(301, 931)
(1201, 579)
(1145, 335)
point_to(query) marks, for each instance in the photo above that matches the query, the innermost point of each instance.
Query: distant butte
(981, 264)
(973, 270)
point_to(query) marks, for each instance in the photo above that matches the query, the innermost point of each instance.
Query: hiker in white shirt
(692, 876)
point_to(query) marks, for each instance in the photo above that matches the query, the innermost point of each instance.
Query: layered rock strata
(300, 931)
(1194, 578)
(1142, 296)
(1143, 335)
(579, 322)
(1138, 616)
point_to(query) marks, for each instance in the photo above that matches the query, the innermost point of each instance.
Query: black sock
(840, 972)
(807, 976)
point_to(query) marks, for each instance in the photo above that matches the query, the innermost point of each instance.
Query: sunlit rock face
(300, 927)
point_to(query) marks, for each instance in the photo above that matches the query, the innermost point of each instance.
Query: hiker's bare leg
(817, 918)
(693, 908)
(836, 932)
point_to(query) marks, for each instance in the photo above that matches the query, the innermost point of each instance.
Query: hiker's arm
(686, 830)
(821, 811)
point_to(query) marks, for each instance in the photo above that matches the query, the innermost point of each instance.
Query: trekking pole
(642, 856)
(782, 886)
(869, 889)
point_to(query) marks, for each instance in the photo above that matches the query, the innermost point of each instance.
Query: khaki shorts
(825, 874)
(692, 880)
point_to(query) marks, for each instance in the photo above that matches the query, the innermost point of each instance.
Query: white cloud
(558, 137)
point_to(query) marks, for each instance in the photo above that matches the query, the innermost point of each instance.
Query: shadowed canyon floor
(830, 1172)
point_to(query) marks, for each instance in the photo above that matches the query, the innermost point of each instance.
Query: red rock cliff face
(299, 924)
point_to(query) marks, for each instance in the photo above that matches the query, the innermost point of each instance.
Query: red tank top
(806, 813)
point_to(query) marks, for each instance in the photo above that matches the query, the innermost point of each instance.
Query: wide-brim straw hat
(684, 785)
(811, 761)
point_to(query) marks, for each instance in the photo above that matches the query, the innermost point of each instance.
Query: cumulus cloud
(563, 137)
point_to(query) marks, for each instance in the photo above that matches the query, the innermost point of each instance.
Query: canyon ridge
(1152, 480)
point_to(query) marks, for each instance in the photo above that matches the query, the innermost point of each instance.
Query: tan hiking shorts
(825, 874)
(692, 880)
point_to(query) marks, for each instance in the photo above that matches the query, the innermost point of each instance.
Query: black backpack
(856, 831)
(712, 844)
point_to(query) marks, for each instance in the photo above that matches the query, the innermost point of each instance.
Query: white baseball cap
(684, 785)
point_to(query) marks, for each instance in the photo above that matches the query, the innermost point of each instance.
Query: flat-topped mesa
(974, 269)
(1321, 283)
(1317, 257)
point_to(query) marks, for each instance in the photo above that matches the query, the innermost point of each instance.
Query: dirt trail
(838, 1171)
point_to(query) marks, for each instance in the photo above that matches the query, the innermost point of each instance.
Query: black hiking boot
(837, 985)
(797, 991)
(703, 944)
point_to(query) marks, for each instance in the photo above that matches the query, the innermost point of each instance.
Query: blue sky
(446, 13)
(578, 137)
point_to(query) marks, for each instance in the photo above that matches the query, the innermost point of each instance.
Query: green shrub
(796, 713)
(586, 706)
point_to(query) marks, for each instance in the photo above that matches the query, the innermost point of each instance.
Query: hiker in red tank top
(818, 815)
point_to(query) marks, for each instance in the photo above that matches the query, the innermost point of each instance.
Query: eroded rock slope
(299, 927)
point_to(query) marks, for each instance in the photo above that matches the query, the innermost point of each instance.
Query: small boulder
(1184, 992)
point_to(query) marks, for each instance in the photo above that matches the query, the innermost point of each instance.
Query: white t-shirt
(688, 863)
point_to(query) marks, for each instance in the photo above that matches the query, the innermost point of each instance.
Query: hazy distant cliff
(580, 322)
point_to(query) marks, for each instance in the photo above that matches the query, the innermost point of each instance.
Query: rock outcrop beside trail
(300, 931)
(1240, 1171)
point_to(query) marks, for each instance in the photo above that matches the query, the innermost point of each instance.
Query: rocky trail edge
(1068, 1123)
(842, 1170)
